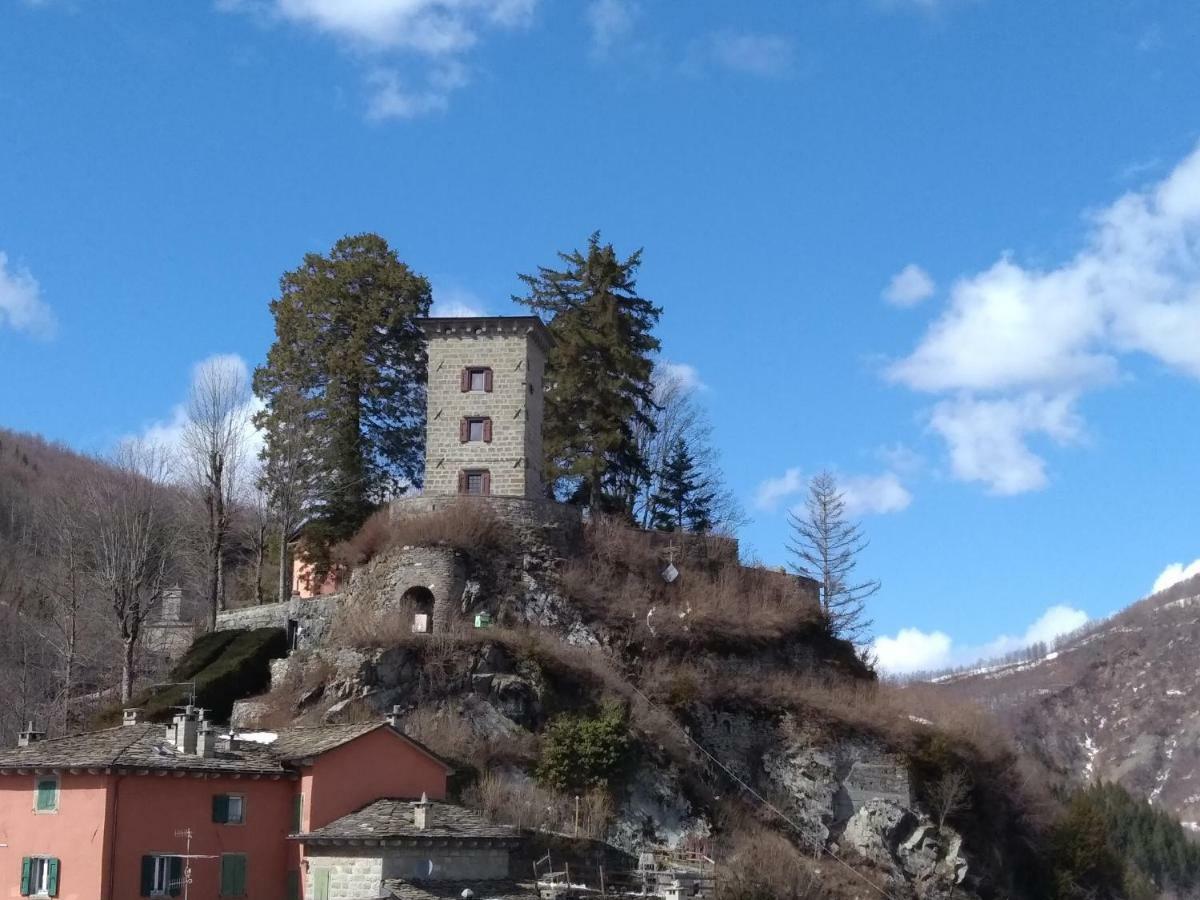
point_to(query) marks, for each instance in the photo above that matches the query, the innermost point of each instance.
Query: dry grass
(714, 603)
(450, 734)
(518, 801)
(464, 525)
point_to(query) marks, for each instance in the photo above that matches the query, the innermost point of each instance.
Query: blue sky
(948, 248)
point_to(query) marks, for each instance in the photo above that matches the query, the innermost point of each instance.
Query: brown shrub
(448, 733)
(466, 525)
(522, 803)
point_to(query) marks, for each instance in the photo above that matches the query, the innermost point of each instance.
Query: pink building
(107, 815)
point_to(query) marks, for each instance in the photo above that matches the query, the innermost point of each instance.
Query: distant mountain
(1117, 701)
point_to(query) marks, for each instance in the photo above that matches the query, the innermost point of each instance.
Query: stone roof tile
(393, 819)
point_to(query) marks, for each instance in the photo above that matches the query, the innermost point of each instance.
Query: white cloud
(909, 286)
(987, 439)
(1029, 340)
(1175, 573)
(868, 495)
(21, 305)
(431, 36)
(771, 491)
(747, 53)
(167, 434)
(610, 21)
(453, 301)
(686, 376)
(914, 650)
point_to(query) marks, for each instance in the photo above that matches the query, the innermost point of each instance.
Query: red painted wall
(377, 765)
(149, 809)
(75, 835)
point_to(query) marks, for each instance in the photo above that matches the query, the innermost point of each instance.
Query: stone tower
(484, 418)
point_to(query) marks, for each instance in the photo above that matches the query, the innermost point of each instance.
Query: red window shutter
(487, 483)
(487, 380)
(487, 430)
(464, 430)
(465, 381)
(462, 481)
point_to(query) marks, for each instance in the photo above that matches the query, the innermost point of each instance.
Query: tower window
(475, 428)
(477, 379)
(475, 481)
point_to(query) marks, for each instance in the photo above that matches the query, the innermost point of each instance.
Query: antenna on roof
(191, 685)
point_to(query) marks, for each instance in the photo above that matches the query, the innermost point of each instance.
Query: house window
(162, 876)
(45, 797)
(475, 481)
(229, 809)
(297, 812)
(39, 876)
(477, 378)
(233, 874)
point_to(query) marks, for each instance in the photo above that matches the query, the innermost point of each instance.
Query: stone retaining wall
(558, 524)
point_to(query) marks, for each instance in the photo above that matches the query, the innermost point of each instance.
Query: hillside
(1117, 701)
(712, 713)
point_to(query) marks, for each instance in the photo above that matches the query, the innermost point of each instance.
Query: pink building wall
(76, 834)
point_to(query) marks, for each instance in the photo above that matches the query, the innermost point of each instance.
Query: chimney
(394, 718)
(29, 736)
(184, 725)
(421, 812)
(206, 741)
(130, 716)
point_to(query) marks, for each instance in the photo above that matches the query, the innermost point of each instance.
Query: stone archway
(420, 600)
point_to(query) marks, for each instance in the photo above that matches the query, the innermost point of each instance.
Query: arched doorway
(419, 599)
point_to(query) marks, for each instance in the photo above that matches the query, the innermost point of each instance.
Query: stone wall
(536, 521)
(352, 876)
(513, 457)
(440, 570)
(358, 873)
(312, 617)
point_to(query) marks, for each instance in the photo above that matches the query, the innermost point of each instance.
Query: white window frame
(37, 790)
(161, 884)
(479, 372)
(39, 876)
(240, 799)
(473, 423)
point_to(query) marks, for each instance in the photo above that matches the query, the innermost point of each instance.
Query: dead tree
(214, 444)
(132, 535)
(948, 795)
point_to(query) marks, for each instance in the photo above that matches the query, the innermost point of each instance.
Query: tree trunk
(284, 568)
(260, 552)
(127, 670)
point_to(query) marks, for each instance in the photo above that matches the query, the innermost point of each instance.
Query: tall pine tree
(682, 500)
(346, 341)
(599, 370)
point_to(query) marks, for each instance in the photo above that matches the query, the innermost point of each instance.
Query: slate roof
(393, 820)
(144, 746)
(136, 747)
(453, 890)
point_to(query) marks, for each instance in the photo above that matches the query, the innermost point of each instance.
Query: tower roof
(481, 326)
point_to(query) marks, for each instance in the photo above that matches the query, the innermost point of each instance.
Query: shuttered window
(46, 794)
(39, 876)
(475, 481)
(321, 884)
(476, 378)
(233, 875)
(162, 876)
(228, 809)
(475, 428)
(297, 812)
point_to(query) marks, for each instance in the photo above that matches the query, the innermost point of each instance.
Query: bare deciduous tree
(290, 463)
(948, 795)
(825, 546)
(132, 540)
(214, 446)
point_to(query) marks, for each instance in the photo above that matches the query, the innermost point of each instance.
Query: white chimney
(130, 716)
(185, 726)
(394, 717)
(29, 736)
(206, 740)
(421, 812)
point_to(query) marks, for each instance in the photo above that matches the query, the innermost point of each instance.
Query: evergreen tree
(598, 372)
(682, 500)
(347, 342)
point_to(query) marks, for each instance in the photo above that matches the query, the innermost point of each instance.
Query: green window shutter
(47, 795)
(147, 875)
(52, 879)
(240, 882)
(220, 808)
(293, 885)
(297, 813)
(233, 875)
(26, 875)
(321, 884)
(175, 874)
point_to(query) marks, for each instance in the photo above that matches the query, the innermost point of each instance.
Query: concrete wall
(514, 455)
